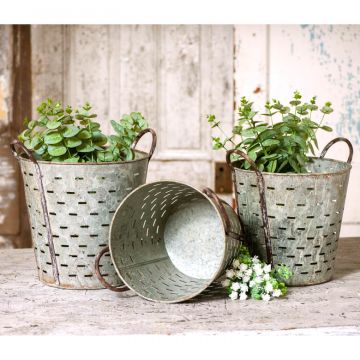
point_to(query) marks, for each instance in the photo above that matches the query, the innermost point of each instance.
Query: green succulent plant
(66, 135)
(275, 146)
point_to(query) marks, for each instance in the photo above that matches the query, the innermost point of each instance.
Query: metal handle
(219, 203)
(101, 278)
(18, 144)
(334, 141)
(261, 187)
(153, 144)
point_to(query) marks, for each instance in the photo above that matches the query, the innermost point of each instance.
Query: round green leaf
(71, 131)
(85, 148)
(35, 141)
(105, 156)
(99, 138)
(53, 124)
(41, 150)
(56, 150)
(53, 138)
(73, 142)
(84, 134)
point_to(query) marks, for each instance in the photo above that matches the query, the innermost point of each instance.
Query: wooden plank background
(175, 75)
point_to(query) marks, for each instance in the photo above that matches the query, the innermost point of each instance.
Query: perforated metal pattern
(81, 201)
(168, 243)
(305, 213)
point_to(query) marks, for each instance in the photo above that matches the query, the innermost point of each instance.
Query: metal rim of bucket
(261, 183)
(15, 144)
(217, 205)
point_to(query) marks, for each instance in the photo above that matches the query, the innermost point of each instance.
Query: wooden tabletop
(28, 307)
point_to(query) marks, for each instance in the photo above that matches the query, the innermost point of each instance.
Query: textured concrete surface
(29, 307)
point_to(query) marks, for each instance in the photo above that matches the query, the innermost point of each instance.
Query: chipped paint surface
(9, 206)
(323, 60)
(337, 49)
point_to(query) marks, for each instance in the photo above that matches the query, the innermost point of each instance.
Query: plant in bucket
(74, 177)
(290, 203)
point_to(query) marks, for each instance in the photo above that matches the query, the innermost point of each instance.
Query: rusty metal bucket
(294, 219)
(170, 241)
(70, 208)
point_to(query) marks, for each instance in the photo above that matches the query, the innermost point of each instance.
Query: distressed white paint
(166, 72)
(317, 60)
(28, 307)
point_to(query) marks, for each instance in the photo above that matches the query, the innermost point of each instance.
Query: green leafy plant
(250, 277)
(67, 135)
(275, 146)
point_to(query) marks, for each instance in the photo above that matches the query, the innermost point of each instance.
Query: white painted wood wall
(321, 60)
(175, 75)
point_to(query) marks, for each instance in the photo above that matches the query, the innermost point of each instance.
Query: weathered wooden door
(174, 75)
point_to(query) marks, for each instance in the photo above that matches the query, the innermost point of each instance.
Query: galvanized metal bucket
(294, 219)
(70, 208)
(170, 241)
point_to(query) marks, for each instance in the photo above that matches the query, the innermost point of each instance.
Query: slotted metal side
(174, 240)
(70, 206)
(81, 201)
(298, 222)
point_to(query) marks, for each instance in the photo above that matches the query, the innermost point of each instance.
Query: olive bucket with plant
(289, 201)
(75, 176)
(67, 135)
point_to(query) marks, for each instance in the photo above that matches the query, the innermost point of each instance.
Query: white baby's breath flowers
(230, 273)
(226, 283)
(249, 277)
(267, 268)
(236, 286)
(249, 272)
(244, 288)
(243, 296)
(243, 267)
(268, 287)
(258, 269)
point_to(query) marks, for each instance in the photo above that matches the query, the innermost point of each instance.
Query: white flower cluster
(241, 278)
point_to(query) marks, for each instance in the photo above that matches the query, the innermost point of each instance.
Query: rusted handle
(219, 203)
(153, 144)
(18, 144)
(261, 187)
(101, 278)
(334, 141)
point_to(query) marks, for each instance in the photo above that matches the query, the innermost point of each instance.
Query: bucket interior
(167, 241)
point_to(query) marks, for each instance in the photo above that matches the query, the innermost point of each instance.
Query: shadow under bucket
(170, 241)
